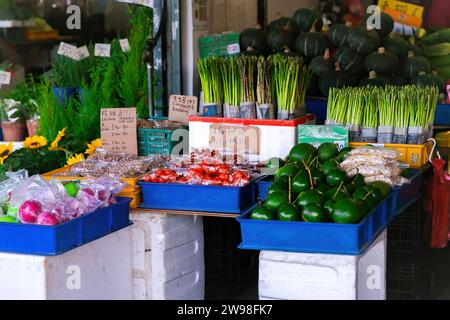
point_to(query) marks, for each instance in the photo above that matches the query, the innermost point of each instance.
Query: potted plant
(26, 93)
(13, 123)
(65, 77)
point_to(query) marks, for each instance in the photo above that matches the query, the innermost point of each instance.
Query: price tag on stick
(5, 77)
(102, 50)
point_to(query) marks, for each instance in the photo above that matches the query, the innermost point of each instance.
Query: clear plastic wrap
(390, 154)
(37, 201)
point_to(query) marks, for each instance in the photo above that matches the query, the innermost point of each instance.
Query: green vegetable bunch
(231, 81)
(211, 79)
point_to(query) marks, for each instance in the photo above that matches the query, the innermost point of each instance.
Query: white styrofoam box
(305, 276)
(168, 258)
(271, 138)
(100, 270)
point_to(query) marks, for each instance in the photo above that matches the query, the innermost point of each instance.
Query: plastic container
(233, 200)
(262, 187)
(157, 141)
(405, 196)
(51, 241)
(41, 35)
(317, 106)
(442, 116)
(414, 155)
(259, 139)
(132, 190)
(347, 239)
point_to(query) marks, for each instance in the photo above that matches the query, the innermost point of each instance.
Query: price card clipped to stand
(408, 17)
(119, 130)
(182, 107)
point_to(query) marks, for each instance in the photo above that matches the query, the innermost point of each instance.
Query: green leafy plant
(26, 93)
(35, 161)
(133, 80)
(11, 111)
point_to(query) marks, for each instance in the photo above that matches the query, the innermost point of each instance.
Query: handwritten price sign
(118, 128)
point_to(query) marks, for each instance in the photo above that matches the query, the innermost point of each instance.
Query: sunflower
(5, 152)
(75, 159)
(54, 146)
(35, 142)
(93, 146)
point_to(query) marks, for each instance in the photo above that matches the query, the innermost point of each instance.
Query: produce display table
(98, 270)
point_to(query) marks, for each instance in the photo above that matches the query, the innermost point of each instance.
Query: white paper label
(83, 52)
(233, 48)
(377, 145)
(68, 50)
(102, 50)
(5, 77)
(125, 45)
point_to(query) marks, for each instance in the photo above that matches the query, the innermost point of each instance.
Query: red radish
(48, 219)
(89, 192)
(29, 211)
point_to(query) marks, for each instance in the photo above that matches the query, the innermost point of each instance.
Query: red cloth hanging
(437, 205)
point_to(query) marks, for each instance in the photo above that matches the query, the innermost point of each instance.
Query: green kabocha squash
(280, 40)
(311, 44)
(337, 78)
(339, 34)
(283, 23)
(413, 65)
(305, 19)
(363, 41)
(375, 81)
(313, 87)
(418, 52)
(253, 39)
(382, 62)
(428, 80)
(399, 80)
(321, 64)
(396, 45)
(386, 23)
(350, 60)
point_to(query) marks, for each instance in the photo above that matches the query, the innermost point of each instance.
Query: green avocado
(348, 211)
(329, 166)
(276, 200)
(302, 153)
(336, 194)
(336, 177)
(288, 212)
(313, 213)
(310, 196)
(289, 170)
(327, 151)
(262, 213)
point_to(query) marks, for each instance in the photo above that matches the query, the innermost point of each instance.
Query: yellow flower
(5, 152)
(35, 142)
(93, 146)
(75, 159)
(54, 146)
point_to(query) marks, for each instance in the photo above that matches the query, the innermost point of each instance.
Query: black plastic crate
(229, 272)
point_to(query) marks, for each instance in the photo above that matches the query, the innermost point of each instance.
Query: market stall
(313, 184)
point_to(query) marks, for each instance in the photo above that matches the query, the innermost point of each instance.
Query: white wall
(286, 8)
(232, 15)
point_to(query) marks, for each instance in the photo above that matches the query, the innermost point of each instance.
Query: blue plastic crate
(329, 238)
(51, 241)
(217, 199)
(407, 194)
(262, 186)
(442, 116)
(317, 106)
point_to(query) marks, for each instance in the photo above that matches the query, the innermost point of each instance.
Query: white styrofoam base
(304, 276)
(100, 270)
(168, 259)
